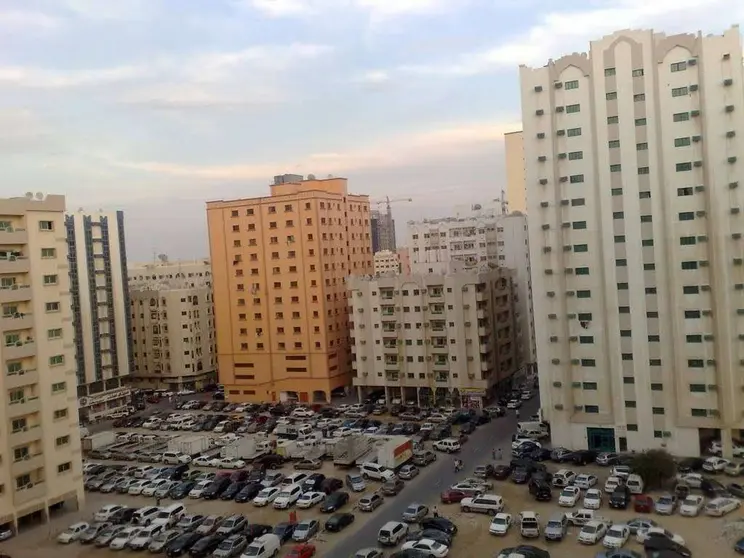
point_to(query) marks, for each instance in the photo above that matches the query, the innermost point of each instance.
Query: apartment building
(172, 316)
(100, 309)
(404, 257)
(434, 338)
(634, 204)
(40, 465)
(478, 235)
(279, 268)
(382, 227)
(386, 261)
(516, 190)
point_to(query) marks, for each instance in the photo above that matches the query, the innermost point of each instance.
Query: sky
(156, 106)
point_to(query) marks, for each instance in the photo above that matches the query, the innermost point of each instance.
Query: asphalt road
(437, 476)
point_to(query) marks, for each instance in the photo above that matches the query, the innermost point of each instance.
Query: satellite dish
(29, 195)
(311, 177)
(39, 195)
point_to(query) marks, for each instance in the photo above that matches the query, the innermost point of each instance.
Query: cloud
(403, 150)
(22, 131)
(282, 8)
(40, 78)
(373, 77)
(377, 10)
(24, 20)
(184, 96)
(109, 9)
(559, 33)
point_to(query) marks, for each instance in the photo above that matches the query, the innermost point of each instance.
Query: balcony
(21, 378)
(16, 321)
(19, 350)
(440, 363)
(15, 264)
(13, 236)
(392, 377)
(483, 332)
(25, 435)
(439, 348)
(24, 407)
(28, 464)
(481, 313)
(15, 293)
(30, 494)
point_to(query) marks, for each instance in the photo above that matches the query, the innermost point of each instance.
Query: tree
(655, 467)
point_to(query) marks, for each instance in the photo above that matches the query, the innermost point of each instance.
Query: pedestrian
(493, 454)
(157, 501)
(517, 413)
(435, 511)
(498, 454)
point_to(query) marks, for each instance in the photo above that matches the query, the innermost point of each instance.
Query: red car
(643, 503)
(452, 496)
(301, 551)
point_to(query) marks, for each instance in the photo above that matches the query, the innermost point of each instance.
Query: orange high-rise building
(279, 268)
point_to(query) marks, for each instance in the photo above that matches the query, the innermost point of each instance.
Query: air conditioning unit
(539, 112)
(693, 87)
(728, 81)
(541, 135)
(559, 109)
(561, 132)
(538, 88)
(730, 134)
(694, 113)
(543, 181)
(563, 179)
(696, 138)
(562, 155)
(558, 84)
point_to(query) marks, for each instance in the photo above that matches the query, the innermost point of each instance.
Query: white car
(643, 534)
(342, 432)
(199, 489)
(519, 442)
(483, 503)
(693, 480)
(105, 513)
(137, 488)
(72, 533)
(427, 546)
(718, 507)
(593, 499)
(202, 461)
(123, 537)
(611, 484)
(586, 481)
(569, 496)
(143, 471)
(303, 413)
(266, 496)
(285, 500)
(691, 506)
(616, 536)
(621, 471)
(715, 464)
(310, 499)
(150, 489)
(231, 463)
(500, 524)
(593, 532)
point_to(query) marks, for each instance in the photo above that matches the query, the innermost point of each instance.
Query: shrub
(655, 467)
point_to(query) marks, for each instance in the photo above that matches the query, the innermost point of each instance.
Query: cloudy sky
(155, 106)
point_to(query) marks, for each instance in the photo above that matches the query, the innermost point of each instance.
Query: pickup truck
(583, 516)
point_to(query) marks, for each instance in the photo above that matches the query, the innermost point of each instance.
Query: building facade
(100, 305)
(481, 235)
(386, 262)
(435, 338)
(516, 187)
(40, 460)
(382, 227)
(404, 257)
(279, 268)
(172, 315)
(634, 202)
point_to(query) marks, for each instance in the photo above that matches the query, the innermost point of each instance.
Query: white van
(288, 496)
(294, 478)
(175, 458)
(392, 533)
(170, 515)
(265, 546)
(635, 484)
(145, 516)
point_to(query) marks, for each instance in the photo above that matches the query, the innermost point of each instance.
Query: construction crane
(386, 229)
(387, 201)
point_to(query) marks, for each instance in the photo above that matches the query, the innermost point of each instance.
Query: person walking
(517, 413)
(157, 501)
(493, 454)
(498, 454)
(435, 511)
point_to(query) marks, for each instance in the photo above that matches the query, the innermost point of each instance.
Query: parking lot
(700, 534)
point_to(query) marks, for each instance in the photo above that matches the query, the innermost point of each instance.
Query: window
(687, 216)
(679, 91)
(692, 314)
(657, 387)
(697, 388)
(642, 146)
(624, 309)
(630, 404)
(615, 168)
(698, 412)
(625, 333)
(576, 178)
(573, 132)
(52, 306)
(591, 409)
(643, 170)
(644, 195)
(646, 219)
(618, 215)
(639, 97)
(681, 142)
(611, 96)
(581, 271)
(591, 386)
(649, 267)
(657, 410)
(678, 66)
(46, 225)
(687, 191)
(612, 144)
(687, 240)
(683, 167)
(640, 121)
(638, 72)
(62, 441)
(55, 333)
(613, 120)
(695, 363)
(64, 467)
(50, 279)
(578, 225)
(588, 362)
(627, 356)
(681, 116)
(575, 155)
(694, 338)
(622, 287)
(574, 84)
(60, 414)
(688, 265)
(609, 72)
(59, 386)
(56, 360)
(654, 339)
(573, 108)
(628, 380)
(578, 201)
(690, 289)
(617, 191)
(48, 253)
(619, 238)
(581, 248)
(583, 294)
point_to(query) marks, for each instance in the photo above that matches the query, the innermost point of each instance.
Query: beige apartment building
(172, 315)
(386, 261)
(40, 460)
(516, 187)
(279, 269)
(445, 338)
(100, 311)
(635, 197)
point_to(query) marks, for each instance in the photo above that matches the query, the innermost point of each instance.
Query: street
(438, 476)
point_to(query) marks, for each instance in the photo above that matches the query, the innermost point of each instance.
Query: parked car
(370, 502)
(415, 512)
(392, 487)
(305, 530)
(408, 472)
(339, 521)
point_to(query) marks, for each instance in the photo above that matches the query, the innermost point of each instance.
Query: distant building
(386, 262)
(404, 256)
(516, 188)
(173, 324)
(383, 231)
(100, 307)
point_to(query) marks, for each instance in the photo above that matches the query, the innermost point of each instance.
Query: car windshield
(615, 532)
(589, 529)
(252, 551)
(690, 501)
(284, 495)
(266, 492)
(108, 531)
(302, 527)
(210, 521)
(567, 492)
(411, 509)
(665, 500)
(499, 521)
(355, 479)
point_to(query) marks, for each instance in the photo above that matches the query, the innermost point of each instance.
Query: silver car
(666, 504)
(231, 547)
(161, 540)
(415, 512)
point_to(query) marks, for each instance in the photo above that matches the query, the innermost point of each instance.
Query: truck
(190, 445)
(98, 441)
(394, 452)
(349, 449)
(581, 517)
(309, 449)
(247, 449)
